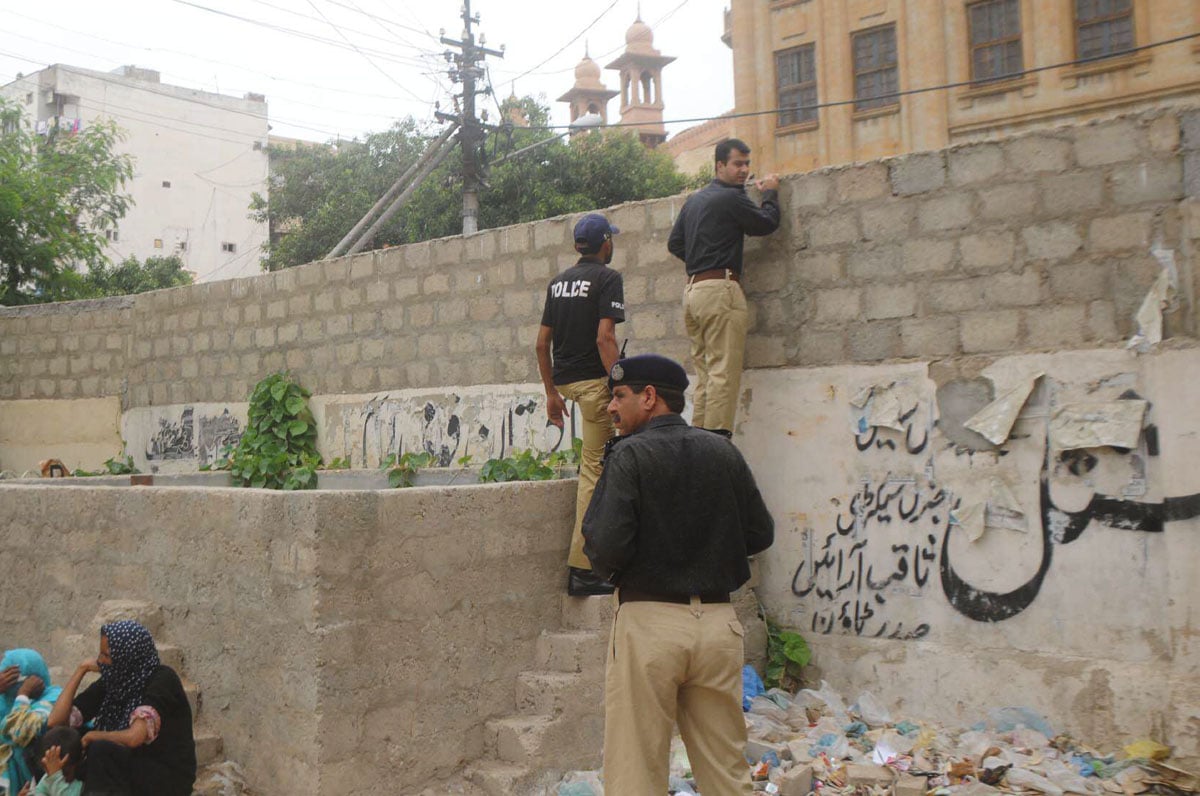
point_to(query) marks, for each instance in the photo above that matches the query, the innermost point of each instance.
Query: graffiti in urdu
(446, 426)
(204, 437)
(894, 531)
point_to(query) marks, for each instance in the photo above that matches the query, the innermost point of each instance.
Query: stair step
(148, 614)
(555, 693)
(570, 651)
(170, 655)
(518, 739)
(587, 613)
(193, 696)
(209, 746)
(499, 779)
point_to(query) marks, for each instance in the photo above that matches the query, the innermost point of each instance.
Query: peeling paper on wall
(995, 421)
(1000, 510)
(1114, 424)
(1161, 297)
(970, 518)
(884, 405)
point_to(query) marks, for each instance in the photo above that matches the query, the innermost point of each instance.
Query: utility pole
(466, 70)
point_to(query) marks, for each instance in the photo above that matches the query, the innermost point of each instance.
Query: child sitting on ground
(61, 752)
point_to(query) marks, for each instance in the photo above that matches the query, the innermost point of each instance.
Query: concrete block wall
(342, 639)
(1041, 241)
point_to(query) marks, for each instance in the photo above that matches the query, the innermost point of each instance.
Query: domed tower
(641, 83)
(588, 95)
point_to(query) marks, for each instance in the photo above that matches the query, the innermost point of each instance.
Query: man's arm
(755, 220)
(676, 242)
(611, 522)
(759, 524)
(556, 407)
(606, 343)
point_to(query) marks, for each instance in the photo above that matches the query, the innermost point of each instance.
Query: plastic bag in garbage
(1027, 780)
(823, 697)
(763, 728)
(1011, 718)
(765, 706)
(752, 685)
(871, 710)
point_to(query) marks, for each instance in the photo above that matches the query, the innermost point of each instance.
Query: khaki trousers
(714, 314)
(674, 664)
(591, 399)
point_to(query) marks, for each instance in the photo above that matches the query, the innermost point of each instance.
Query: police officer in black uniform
(674, 516)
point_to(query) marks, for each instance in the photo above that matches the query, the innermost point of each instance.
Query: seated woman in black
(136, 720)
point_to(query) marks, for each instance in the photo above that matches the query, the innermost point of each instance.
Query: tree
(59, 192)
(132, 276)
(318, 194)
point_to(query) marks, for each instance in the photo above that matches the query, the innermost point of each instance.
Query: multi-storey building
(198, 158)
(838, 81)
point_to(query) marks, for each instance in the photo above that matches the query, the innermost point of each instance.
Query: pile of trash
(812, 742)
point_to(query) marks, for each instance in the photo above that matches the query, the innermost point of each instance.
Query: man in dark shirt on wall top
(708, 237)
(673, 519)
(576, 346)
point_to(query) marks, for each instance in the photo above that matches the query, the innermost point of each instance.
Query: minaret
(588, 95)
(641, 83)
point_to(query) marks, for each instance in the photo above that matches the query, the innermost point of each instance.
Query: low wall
(1076, 596)
(367, 635)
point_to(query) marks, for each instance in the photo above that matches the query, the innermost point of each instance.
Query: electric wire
(366, 57)
(571, 41)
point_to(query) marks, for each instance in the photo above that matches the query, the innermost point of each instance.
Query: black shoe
(722, 432)
(586, 583)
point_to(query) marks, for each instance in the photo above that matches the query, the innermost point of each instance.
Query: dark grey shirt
(713, 223)
(676, 512)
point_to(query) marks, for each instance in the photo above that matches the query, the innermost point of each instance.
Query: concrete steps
(497, 778)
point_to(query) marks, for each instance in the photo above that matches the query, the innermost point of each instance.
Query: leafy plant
(464, 461)
(117, 465)
(526, 465)
(403, 469)
(279, 447)
(568, 457)
(787, 655)
(221, 462)
(338, 463)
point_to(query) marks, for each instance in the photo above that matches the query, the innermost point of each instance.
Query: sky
(343, 68)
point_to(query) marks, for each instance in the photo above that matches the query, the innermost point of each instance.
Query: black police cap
(663, 373)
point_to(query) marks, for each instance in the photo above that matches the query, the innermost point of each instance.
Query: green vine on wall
(279, 447)
(403, 469)
(787, 655)
(117, 465)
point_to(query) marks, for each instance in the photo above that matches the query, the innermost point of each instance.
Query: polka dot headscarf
(134, 659)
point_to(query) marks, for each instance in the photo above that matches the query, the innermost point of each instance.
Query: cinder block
(887, 221)
(929, 337)
(1189, 128)
(869, 775)
(839, 305)
(890, 301)
(874, 340)
(824, 347)
(1036, 153)
(945, 212)
(1109, 142)
(909, 785)
(1148, 181)
(1129, 231)
(856, 183)
(880, 262)
(920, 173)
(814, 269)
(981, 332)
(926, 256)
(832, 230)
(987, 250)
(1191, 175)
(755, 749)
(808, 190)
(1064, 194)
(1052, 327)
(1056, 240)
(797, 781)
(975, 163)
(1081, 281)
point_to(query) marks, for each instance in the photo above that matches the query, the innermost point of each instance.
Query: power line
(893, 94)
(366, 57)
(388, 39)
(193, 56)
(383, 21)
(573, 39)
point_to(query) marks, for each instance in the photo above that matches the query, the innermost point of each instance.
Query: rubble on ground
(811, 742)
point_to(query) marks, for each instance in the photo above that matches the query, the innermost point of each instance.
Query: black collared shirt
(713, 222)
(676, 511)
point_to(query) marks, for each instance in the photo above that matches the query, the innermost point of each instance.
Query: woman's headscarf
(30, 664)
(134, 659)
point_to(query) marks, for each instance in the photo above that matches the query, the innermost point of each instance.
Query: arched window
(647, 82)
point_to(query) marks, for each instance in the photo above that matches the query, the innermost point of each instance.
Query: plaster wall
(82, 433)
(1076, 600)
(367, 635)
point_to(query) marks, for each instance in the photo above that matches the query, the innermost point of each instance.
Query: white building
(198, 158)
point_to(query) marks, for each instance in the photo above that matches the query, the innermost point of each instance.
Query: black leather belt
(634, 596)
(714, 273)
